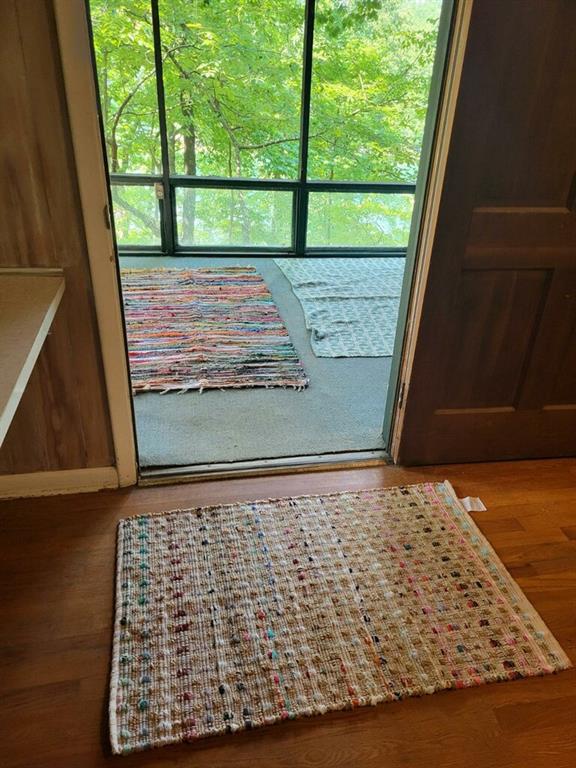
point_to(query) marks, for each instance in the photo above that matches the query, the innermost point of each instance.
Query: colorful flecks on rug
(350, 304)
(211, 327)
(238, 616)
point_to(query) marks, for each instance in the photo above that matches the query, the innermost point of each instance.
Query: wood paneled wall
(62, 421)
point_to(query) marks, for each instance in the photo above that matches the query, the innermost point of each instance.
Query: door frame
(81, 97)
(80, 91)
(437, 136)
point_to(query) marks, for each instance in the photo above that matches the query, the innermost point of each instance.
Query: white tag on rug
(472, 504)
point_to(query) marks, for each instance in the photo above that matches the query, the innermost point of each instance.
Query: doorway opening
(263, 157)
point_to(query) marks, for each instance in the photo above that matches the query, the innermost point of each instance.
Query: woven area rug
(237, 616)
(213, 327)
(350, 305)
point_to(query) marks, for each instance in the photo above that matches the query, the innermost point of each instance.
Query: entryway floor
(342, 409)
(57, 576)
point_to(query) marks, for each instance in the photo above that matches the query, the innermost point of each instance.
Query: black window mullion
(306, 89)
(172, 199)
(280, 185)
(166, 205)
(301, 220)
(301, 196)
(295, 215)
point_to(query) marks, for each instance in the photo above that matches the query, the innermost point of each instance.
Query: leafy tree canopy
(232, 80)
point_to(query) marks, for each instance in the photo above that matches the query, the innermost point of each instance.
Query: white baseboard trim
(52, 483)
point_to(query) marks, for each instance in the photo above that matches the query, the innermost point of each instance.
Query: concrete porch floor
(341, 410)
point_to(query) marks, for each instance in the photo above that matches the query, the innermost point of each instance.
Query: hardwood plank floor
(56, 597)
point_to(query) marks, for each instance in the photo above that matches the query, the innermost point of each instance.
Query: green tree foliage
(232, 80)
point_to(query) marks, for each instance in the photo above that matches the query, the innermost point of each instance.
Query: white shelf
(29, 299)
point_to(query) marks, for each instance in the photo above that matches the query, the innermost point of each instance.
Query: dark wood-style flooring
(56, 584)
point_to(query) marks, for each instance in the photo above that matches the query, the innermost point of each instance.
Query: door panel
(497, 335)
(494, 372)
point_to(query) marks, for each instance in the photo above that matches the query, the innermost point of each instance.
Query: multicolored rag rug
(237, 616)
(212, 327)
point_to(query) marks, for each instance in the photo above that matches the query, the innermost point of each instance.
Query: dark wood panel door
(494, 373)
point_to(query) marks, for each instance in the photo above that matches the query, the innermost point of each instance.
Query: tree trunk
(244, 214)
(113, 155)
(190, 169)
(172, 149)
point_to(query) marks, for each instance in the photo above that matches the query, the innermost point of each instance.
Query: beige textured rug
(237, 616)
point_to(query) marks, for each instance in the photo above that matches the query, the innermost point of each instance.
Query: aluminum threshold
(258, 467)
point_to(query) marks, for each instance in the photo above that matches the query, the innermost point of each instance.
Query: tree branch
(132, 94)
(270, 143)
(146, 220)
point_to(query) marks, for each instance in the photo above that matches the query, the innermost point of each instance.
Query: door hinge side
(107, 219)
(401, 392)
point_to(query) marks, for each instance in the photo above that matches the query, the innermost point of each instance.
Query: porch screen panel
(232, 81)
(124, 48)
(370, 83)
